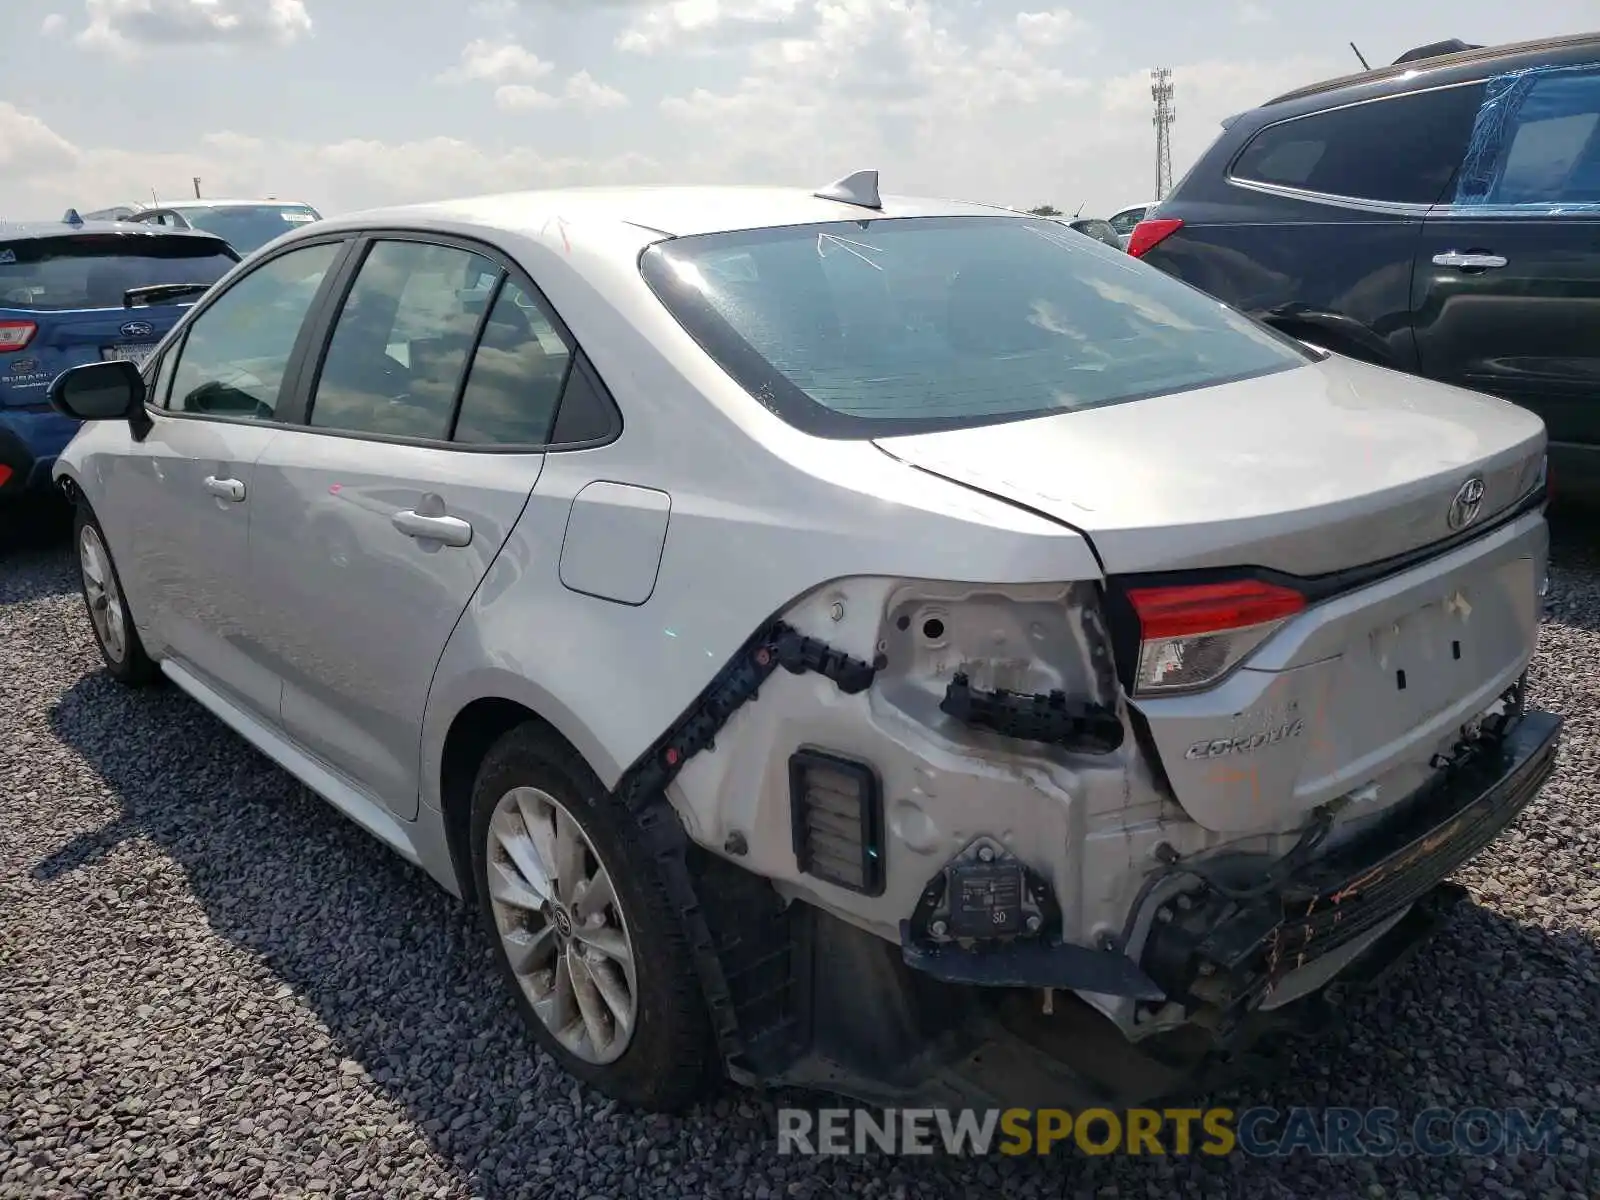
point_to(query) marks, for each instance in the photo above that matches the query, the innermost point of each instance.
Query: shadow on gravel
(35, 537)
(401, 977)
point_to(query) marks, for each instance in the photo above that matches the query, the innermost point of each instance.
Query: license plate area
(134, 352)
(1428, 657)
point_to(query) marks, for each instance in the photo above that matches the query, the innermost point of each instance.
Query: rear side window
(1399, 150)
(402, 341)
(878, 327)
(93, 270)
(516, 376)
(248, 227)
(1124, 221)
(1537, 140)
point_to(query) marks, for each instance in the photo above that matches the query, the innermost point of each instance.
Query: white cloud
(493, 62)
(1252, 14)
(1046, 28)
(53, 24)
(45, 173)
(495, 12)
(958, 98)
(124, 25)
(581, 91)
(1010, 111)
(28, 145)
(662, 26)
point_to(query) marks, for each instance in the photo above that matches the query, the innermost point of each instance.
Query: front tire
(583, 931)
(120, 648)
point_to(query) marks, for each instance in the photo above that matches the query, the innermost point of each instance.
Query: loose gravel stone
(213, 985)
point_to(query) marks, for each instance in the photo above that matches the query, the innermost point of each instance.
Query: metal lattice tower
(1165, 114)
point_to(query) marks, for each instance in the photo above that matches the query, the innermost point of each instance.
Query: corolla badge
(1247, 744)
(1467, 504)
(137, 329)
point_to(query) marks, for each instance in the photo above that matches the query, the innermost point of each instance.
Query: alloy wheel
(561, 925)
(100, 590)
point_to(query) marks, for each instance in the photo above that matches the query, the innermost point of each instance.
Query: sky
(350, 104)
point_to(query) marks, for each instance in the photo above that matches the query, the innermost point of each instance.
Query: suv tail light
(1147, 235)
(1191, 636)
(14, 335)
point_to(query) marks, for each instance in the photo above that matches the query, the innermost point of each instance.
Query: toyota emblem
(137, 329)
(1467, 504)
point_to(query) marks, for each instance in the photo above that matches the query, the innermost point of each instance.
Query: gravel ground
(213, 985)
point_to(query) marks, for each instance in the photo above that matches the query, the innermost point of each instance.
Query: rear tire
(584, 934)
(107, 606)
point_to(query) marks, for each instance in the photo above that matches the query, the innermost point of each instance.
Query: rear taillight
(1147, 235)
(1193, 635)
(14, 335)
(5, 474)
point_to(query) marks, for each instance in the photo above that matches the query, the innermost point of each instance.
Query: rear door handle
(1468, 262)
(227, 489)
(452, 531)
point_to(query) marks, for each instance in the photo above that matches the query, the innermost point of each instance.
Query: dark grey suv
(1439, 216)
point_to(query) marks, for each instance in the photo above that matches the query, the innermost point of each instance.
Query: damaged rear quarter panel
(943, 783)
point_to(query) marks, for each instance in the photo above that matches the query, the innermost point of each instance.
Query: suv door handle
(452, 531)
(1468, 262)
(226, 489)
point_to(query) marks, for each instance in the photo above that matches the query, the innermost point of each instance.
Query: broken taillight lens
(1192, 635)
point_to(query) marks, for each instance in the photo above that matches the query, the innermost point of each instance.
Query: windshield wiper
(153, 292)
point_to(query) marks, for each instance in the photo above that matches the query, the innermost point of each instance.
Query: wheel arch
(473, 730)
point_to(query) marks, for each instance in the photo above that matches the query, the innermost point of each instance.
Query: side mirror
(102, 391)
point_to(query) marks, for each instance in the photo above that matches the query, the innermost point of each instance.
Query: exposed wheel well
(475, 729)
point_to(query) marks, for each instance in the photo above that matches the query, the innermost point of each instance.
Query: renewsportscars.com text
(1259, 1132)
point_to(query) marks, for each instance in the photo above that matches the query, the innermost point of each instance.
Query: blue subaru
(79, 291)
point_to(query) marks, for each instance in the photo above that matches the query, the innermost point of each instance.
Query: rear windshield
(908, 325)
(93, 270)
(249, 227)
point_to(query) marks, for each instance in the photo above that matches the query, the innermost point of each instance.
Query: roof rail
(1468, 57)
(1435, 50)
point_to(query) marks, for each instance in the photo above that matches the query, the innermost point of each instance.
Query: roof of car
(182, 204)
(671, 211)
(12, 231)
(1464, 58)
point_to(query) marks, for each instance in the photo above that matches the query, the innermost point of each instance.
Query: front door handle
(1468, 262)
(226, 489)
(452, 531)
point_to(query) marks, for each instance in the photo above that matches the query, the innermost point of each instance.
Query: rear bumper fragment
(1227, 955)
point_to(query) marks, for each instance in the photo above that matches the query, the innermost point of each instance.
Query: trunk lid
(1328, 466)
(1307, 472)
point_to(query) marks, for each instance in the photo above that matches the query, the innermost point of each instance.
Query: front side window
(402, 340)
(1398, 150)
(1537, 140)
(236, 353)
(93, 270)
(879, 327)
